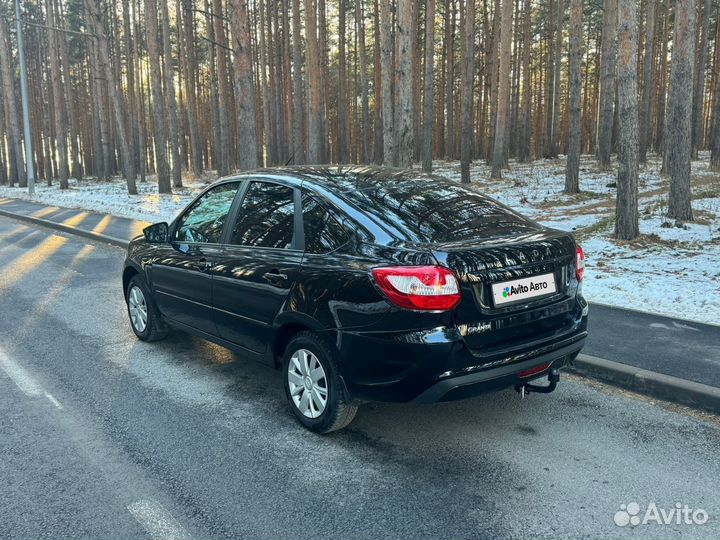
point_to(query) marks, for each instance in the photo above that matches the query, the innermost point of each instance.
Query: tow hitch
(525, 389)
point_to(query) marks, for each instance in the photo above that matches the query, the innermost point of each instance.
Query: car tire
(139, 301)
(309, 373)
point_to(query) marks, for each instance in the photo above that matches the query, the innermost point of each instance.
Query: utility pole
(24, 99)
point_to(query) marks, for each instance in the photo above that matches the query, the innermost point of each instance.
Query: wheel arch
(286, 326)
(130, 271)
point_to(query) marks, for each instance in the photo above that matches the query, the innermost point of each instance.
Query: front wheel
(144, 317)
(312, 385)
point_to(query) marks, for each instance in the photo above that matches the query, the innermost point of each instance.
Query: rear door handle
(205, 265)
(274, 276)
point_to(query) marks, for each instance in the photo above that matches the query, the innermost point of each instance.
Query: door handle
(274, 276)
(205, 265)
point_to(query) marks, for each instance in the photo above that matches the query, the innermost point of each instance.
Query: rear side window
(323, 233)
(204, 221)
(266, 217)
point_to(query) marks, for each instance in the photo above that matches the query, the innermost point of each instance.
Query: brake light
(426, 288)
(579, 264)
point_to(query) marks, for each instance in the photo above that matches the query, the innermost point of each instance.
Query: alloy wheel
(137, 308)
(307, 383)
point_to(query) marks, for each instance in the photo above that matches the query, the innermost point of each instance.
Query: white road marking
(24, 381)
(157, 521)
(19, 376)
(54, 401)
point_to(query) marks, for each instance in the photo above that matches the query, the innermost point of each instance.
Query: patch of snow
(111, 197)
(674, 282)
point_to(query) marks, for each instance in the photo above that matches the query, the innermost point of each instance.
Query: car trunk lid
(488, 327)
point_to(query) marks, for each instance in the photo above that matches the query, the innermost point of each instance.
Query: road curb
(119, 242)
(649, 383)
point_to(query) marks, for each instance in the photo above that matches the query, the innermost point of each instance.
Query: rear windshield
(434, 210)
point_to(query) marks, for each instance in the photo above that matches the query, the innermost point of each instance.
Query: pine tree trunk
(189, 70)
(378, 123)
(140, 96)
(626, 215)
(275, 80)
(70, 109)
(493, 69)
(120, 124)
(679, 135)
(223, 166)
(498, 159)
(244, 85)
(404, 85)
(607, 84)
(342, 76)
(513, 122)
(663, 83)
(159, 137)
(298, 142)
(549, 76)
(58, 96)
(314, 87)
(555, 126)
(131, 98)
(386, 53)
(416, 72)
(17, 165)
(468, 57)
(169, 94)
(214, 140)
(647, 80)
(267, 47)
(428, 85)
(575, 52)
(526, 119)
(450, 81)
(324, 77)
(360, 28)
(287, 104)
(715, 118)
(699, 84)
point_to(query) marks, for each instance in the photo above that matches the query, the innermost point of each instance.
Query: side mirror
(157, 233)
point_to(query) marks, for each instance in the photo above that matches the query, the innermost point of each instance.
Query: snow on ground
(111, 197)
(672, 269)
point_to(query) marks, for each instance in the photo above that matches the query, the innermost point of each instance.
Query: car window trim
(298, 235)
(234, 209)
(333, 213)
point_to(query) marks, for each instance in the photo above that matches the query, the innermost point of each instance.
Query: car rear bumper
(436, 365)
(465, 386)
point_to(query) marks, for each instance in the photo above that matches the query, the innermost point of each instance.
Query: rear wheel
(312, 385)
(144, 316)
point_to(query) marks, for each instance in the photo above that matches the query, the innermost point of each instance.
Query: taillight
(426, 288)
(579, 264)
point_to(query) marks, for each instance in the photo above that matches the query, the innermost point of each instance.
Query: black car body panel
(251, 299)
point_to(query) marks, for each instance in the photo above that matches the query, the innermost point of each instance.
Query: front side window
(323, 233)
(266, 217)
(204, 221)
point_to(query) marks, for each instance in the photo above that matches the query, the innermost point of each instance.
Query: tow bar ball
(525, 389)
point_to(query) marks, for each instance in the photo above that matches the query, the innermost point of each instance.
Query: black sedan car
(364, 283)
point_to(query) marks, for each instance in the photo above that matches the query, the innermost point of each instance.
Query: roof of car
(341, 178)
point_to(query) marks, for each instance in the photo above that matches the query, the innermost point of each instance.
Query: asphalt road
(102, 436)
(684, 349)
